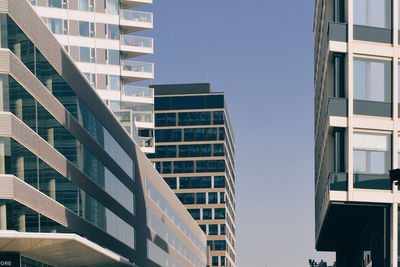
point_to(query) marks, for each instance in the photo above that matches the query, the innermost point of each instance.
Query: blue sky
(260, 53)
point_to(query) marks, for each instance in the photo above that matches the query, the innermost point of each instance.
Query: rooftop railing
(137, 16)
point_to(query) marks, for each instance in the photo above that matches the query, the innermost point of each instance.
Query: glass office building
(356, 86)
(195, 155)
(104, 39)
(75, 190)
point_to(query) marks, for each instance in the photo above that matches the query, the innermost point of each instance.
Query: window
(171, 181)
(194, 150)
(213, 229)
(167, 167)
(212, 198)
(219, 150)
(112, 6)
(186, 198)
(183, 166)
(91, 77)
(200, 134)
(210, 166)
(113, 57)
(112, 31)
(215, 261)
(55, 25)
(86, 5)
(203, 227)
(219, 181)
(113, 82)
(219, 213)
(86, 28)
(195, 213)
(166, 151)
(371, 153)
(373, 13)
(166, 119)
(223, 261)
(207, 214)
(87, 54)
(200, 198)
(218, 117)
(222, 229)
(372, 80)
(221, 197)
(57, 3)
(158, 166)
(219, 245)
(169, 135)
(195, 182)
(194, 118)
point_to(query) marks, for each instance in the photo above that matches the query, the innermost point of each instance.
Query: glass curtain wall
(373, 13)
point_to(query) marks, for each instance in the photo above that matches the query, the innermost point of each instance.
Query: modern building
(195, 155)
(75, 190)
(356, 85)
(101, 37)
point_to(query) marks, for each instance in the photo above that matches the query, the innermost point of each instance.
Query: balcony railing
(136, 66)
(137, 41)
(338, 181)
(138, 91)
(137, 16)
(143, 117)
(145, 141)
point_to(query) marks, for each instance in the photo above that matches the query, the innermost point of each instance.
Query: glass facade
(373, 13)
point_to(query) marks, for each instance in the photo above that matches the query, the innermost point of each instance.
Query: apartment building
(75, 190)
(102, 38)
(356, 86)
(195, 151)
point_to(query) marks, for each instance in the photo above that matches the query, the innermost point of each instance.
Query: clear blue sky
(260, 53)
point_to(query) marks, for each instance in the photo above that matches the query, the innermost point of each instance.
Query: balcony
(133, 21)
(133, 71)
(337, 107)
(134, 46)
(142, 92)
(337, 31)
(134, 3)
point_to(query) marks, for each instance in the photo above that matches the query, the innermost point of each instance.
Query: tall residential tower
(195, 154)
(356, 86)
(101, 37)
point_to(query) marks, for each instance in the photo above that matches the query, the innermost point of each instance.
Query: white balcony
(134, 46)
(133, 21)
(134, 71)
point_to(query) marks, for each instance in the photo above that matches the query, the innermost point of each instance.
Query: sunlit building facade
(195, 154)
(75, 190)
(102, 38)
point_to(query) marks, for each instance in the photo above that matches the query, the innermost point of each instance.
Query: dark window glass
(221, 135)
(212, 197)
(221, 197)
(189, 102)
(200, 198)
(219, 213)
(186, 198)
(218, 117)
(219, 150)
(203, 227)
(213, 229)
(183, 166)
(169, 135)
(200, 134)
(215, 261)
(171, 181)
(207, 214)
(210, 166)
(165, 151)
(222, 228)
(195, 150)
(219, 181)
(195, 213)
(195, 182)
(194, 118)
(210, 244)
(223, 261)
(158, 166)
(219, 245)
(165, 119)
(167, 167)
(55, 3)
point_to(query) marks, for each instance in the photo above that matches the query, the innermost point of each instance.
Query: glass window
(194, 150)
(166, 151)
(219, 245)
(112, 6)
(55, 3)
(221, 197)
(195, 213)
(372, 80)
(55, 25)
(85, 28)
(91, 77)
(372, 153)
(212, 198)
(215, 261)
(219, 213)
(207, 214)
(186, 198)
(222, 229)
(219, 150)
(219, 181)
(373, 13)
(223, 261)
(194, 118)
(113, 31)
(213, 229)
(195, 182)
(200, 198)
(114, 82)
(158, 166)
(166, 119)
(87, 54)
(183, 166)
(86, 5)
(210, 166)
(218, 117)
(203, 227)
(167, 167)
(200, 134)
(169, 135)
(113, 57)
(171, 181)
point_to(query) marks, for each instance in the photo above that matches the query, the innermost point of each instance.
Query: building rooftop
(179, 89)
